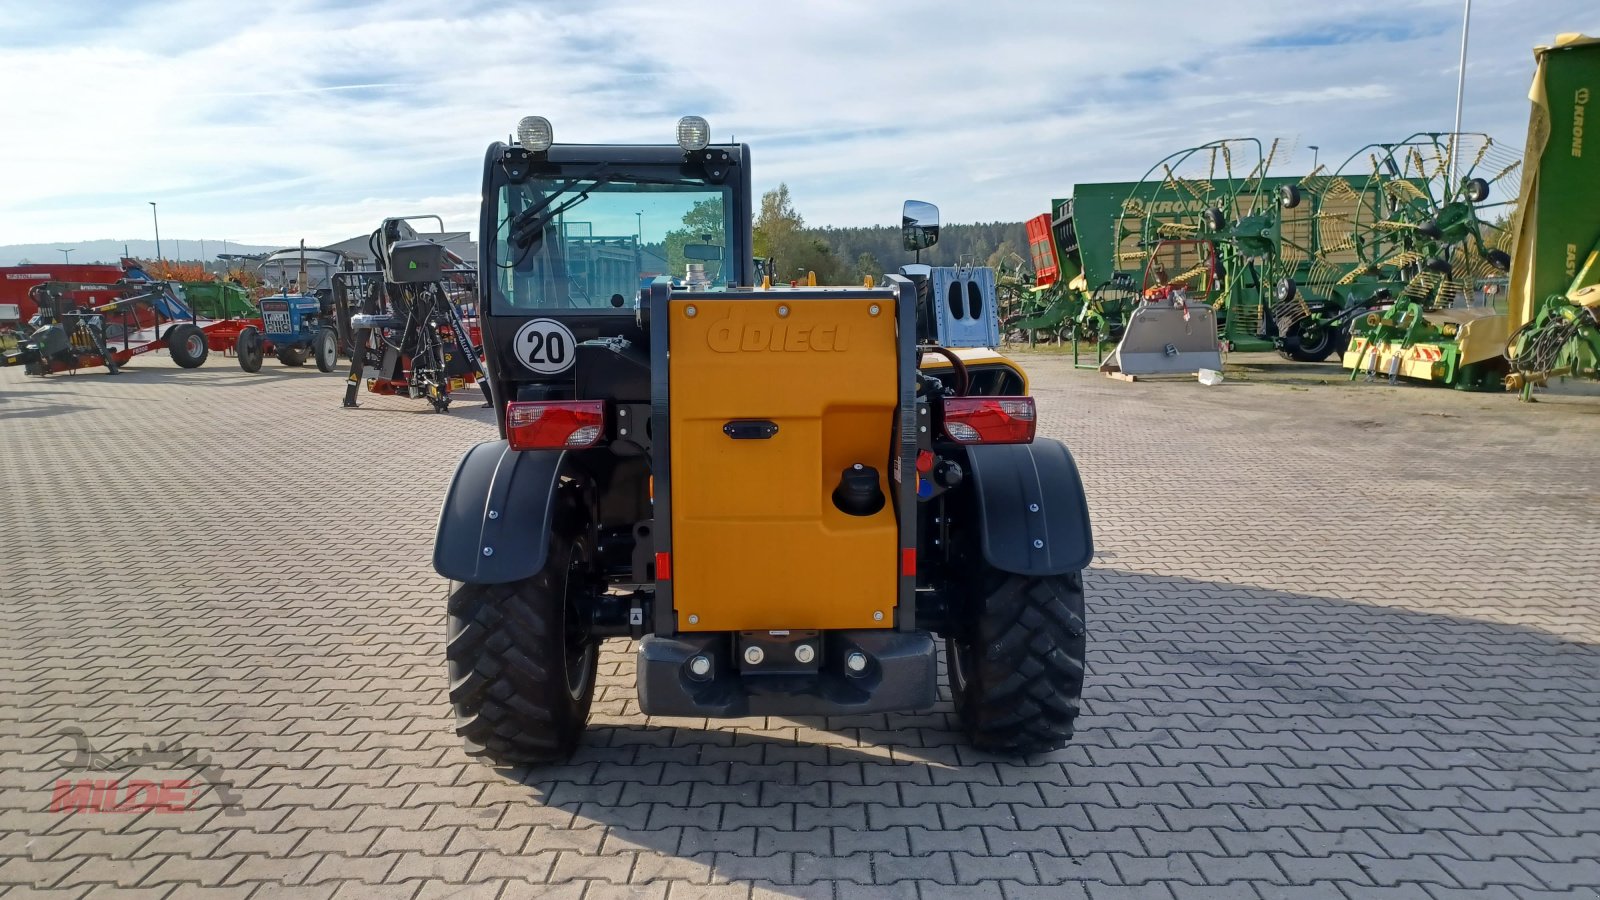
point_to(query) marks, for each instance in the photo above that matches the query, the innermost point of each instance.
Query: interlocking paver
(1344, 644)
(206, 871)
(1072, 890)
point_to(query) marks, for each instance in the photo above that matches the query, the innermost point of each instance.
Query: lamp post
(157, 219)
(640, 217)
(1313, 148)
(1461, 87)
(66, 254)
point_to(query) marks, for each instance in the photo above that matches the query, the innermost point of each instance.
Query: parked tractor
(786, 512)
(293, 327)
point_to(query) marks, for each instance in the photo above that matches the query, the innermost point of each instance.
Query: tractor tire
(522, 669)
(292, 356)
(1211, 220)
(187, 346)
(1288, 196)
(1500, 259)
(1324, 341)
(1016, 670)
(1476, 190)
(249, 350)
(326, 350)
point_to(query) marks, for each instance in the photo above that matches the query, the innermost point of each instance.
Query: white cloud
(316, 120)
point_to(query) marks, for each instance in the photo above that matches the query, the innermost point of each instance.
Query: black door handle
(750, 429)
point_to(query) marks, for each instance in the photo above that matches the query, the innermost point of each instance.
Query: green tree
(781, 236)
(867, 266)
(702, 224)
(777, 220)
(1005, 256)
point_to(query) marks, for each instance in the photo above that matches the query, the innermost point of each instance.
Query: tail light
(555, 425)
(989, 420)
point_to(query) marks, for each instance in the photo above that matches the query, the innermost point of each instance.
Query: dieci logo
(1579, 101)
(728, 336)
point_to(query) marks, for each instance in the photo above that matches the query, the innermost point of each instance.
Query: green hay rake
(1421, 249)
(1218, 201)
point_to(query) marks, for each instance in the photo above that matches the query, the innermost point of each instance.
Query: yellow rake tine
(1185, 276)
(1506, 171)
(1482, 152)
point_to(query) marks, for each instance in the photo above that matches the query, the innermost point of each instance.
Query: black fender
(1032, 513)
(496, 515)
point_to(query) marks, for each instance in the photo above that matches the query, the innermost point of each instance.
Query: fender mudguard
(496, 514)
(1032, 513)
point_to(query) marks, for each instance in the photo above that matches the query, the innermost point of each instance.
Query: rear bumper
(901, 675)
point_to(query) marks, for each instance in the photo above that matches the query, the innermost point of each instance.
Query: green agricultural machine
(1563, 338)
(219, 300)
(1212, 224)
(1065, 304)
(1555, 283)
(1425, 254)
(1213, 220)
(1048, 309)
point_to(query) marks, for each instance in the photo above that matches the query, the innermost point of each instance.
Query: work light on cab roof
(694, 133)
(534, 134)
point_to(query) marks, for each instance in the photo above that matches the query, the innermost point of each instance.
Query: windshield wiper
(528, 224)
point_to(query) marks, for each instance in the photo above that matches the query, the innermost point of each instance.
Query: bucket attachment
(1169, 336)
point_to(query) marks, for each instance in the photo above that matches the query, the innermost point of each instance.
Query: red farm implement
(70, 330)
(16, 282)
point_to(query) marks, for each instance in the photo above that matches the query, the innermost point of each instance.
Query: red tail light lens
(555, 425)
(989, 420)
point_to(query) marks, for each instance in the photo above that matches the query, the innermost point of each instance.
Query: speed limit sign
(545, 346)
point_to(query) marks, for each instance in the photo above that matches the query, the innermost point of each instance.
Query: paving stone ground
(1343, 644)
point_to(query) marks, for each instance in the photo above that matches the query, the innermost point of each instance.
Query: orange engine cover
(757, 542)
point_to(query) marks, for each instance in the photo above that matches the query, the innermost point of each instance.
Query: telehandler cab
(758, 484)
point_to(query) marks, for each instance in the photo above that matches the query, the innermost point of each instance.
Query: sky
(315, 119)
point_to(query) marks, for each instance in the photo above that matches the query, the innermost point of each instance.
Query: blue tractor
(293, 327)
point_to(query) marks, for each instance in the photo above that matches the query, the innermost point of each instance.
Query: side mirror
(919, 225)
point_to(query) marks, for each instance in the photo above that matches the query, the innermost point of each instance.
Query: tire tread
(1028, 648)
(508, 685)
